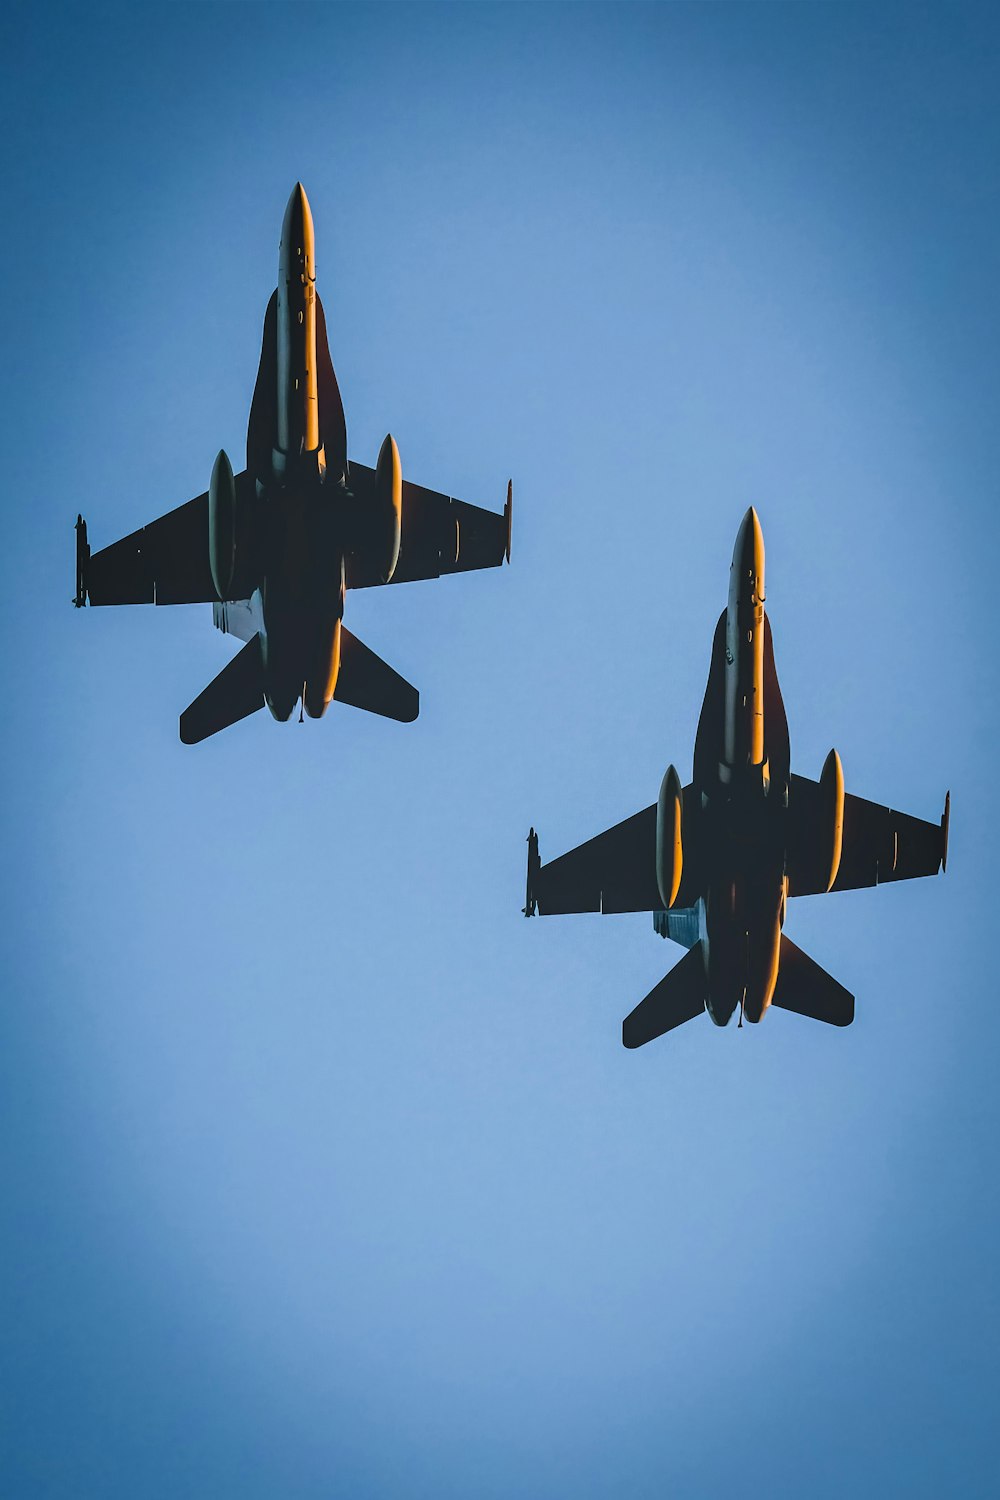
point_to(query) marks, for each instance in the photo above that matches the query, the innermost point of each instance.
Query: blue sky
(324, 1173)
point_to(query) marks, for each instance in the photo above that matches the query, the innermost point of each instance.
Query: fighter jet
(275, 547)
(717, 860)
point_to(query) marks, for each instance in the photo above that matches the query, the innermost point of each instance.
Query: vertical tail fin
(679, 997)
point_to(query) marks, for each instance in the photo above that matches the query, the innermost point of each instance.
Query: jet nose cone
(297, 201)
(297, 211)
(748, 554)
(750, 528)
(297, 235)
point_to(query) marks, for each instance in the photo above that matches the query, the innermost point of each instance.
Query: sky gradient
(324, 1173)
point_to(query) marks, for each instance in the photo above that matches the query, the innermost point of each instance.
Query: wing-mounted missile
(831, 806)
(534, 865)
(387, 517)
(508, 515)
(232, 514)
(669, 838)
(82, 560)
(945, 823)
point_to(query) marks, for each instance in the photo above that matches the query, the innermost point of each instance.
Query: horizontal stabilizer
(677, 998)
(366, 681)
(809, 990)
(237, 692)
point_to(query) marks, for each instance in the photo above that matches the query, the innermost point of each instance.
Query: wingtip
(191, 732)
(82, 561)
(408, 712)
(508, 511)
(945, 823)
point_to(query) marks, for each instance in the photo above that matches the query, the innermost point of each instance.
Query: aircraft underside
(716, 861)
(276, 547)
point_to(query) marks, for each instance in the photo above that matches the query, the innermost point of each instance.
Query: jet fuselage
(716, 861)
(741, 780)
(299, 465)
(275, 547)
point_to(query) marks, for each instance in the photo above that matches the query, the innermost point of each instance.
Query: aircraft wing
(879, 843)
(614, 872)
(438, 534)
(165, 562)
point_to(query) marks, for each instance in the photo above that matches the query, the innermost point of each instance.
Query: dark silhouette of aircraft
(275, 547)
(716, 861)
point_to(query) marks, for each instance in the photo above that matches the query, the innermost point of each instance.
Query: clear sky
(324, 1173)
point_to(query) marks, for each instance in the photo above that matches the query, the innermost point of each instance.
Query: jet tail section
(237, 692)
(366, 681)
(677, 998)
(809, 990)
